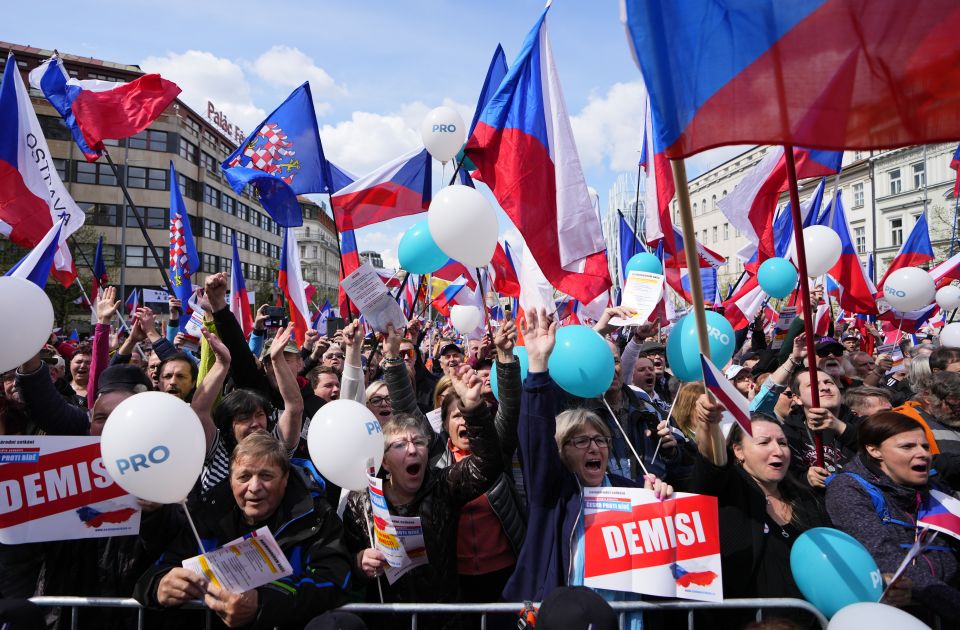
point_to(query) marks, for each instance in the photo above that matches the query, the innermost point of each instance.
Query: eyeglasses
(401, 445)
(376, 401)
(407, 354)
(583, 441)
(338, 355)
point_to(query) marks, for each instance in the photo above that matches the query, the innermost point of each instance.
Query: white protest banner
(634, 542)
(370, 295)
(153, 296)
(57, 488)
(398, 538)
(641, 294)
(243, 564)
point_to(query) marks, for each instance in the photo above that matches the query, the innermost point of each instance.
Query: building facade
(319, 254)
(196, 147)
(372, 257)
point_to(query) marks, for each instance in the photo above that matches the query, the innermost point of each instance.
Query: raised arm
(509, 388)
(107, 305)
(210, 387)
(291, 419)
(352, 383)
(243, 366)
(472, 476)
(402, 396)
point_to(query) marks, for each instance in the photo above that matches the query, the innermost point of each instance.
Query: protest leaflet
(57, 488)
(398, 538)
(634, 542)
(787, 315)
(641, 295)
(370, 295)
(243, 564)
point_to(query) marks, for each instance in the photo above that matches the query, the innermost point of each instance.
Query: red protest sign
(634, 542)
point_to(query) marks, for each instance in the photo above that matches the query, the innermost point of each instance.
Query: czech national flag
(291, 283)
(941, 512)
(95, 111)
(630, 246)
(725, 391)
(524, 149)
(100, 278)
(659, 189)
(504, 272)
(350, 259)
(858, 290)
(320, 317)
(800, 73)
(397, 189)
(747, 300)
(35, 266)
(132, 303)
(916, 251)
(239, 298)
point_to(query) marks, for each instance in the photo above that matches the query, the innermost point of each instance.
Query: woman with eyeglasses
(414, 489)
(876, 500)
(561, 455)
(378, 401)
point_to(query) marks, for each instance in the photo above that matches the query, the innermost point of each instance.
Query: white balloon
(153, 446)
(823, 247)
(443, 133)
(27, 315)
(909, 289)
(948, 298)
(342, 436)
(872, 615)
(463, 224)
(950, 336)
(465, 318)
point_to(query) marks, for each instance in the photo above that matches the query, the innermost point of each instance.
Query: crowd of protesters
(497, 480)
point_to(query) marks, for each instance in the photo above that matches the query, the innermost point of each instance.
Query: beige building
(196, 147)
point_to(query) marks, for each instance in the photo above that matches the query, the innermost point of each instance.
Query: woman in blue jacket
(560, 456)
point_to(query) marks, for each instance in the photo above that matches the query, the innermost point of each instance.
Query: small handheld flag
(718, 385)
(941, 512)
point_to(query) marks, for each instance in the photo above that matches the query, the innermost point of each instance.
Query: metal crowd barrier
(415, 610)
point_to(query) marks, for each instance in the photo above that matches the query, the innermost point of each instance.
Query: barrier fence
(416, 610)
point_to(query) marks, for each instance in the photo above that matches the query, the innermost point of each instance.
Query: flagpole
(143, 227)
(636, 218)
(804, 290)
(483, 299)
(93, 310)
(693, 264)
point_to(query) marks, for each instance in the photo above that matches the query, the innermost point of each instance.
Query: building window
(254, 244)
(209, 263)
(267, 224)
(150, 139)
(189, 188)
(896, 232)
(211, 230)
(858, 195)
(209, 163)
(713, 203)
(209, 137)
(228, 204)
(61, 166)
(306, 231)
(696, 209)
(152, 178)
(105, 214)
(192, 125)
(919, 175)
(95, 173)
(243, 211)
(153, 218)
(303, 251)
(255, 218)
(54, 128)
(726, 231)
(211, 196)
(138, 256)
(895, 184)
(241, 239)
(224, 235)
(188, 151)
(714, 233)
(860, 239)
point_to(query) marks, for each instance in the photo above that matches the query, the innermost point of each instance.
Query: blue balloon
(833, 570)
(418, 253)
(644, 261)
(521, 355)
(683, 346)
(581, 362)
(778, 277)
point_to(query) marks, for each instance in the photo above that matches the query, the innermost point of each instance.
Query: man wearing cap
(451, 356)
(742, 379)
(850, 341)
(830, 360)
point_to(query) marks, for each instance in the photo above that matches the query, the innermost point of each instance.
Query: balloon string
(370, 528)
(660, 441)
(626, 439)
(193, 527)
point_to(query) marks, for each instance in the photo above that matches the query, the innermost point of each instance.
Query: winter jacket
(437, 503)
(50, 411)
(307, 530)
(554, 496)
(935, 575)
(837, 448)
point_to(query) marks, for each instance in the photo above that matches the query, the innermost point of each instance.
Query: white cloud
(205, 77)
(609, 129)
(290, 67)
(384, 240)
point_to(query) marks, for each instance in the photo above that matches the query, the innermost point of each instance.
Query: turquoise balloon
(644, 261)
(521, 354)
(683, 345)
(418, 253)
(581, 362)
(833, 570)
(778, 277)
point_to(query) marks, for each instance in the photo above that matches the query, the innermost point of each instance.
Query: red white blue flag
(294, 288)
(239, 298)
(916, 251)
(941, 512)
(727, 394)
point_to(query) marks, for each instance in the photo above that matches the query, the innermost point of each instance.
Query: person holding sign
(412, 489)
(763, 509)
(263, 491)
(560, 455)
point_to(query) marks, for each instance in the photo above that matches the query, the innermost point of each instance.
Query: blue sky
(375, 67)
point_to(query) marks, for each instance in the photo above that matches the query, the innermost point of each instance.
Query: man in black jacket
(262, 490)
